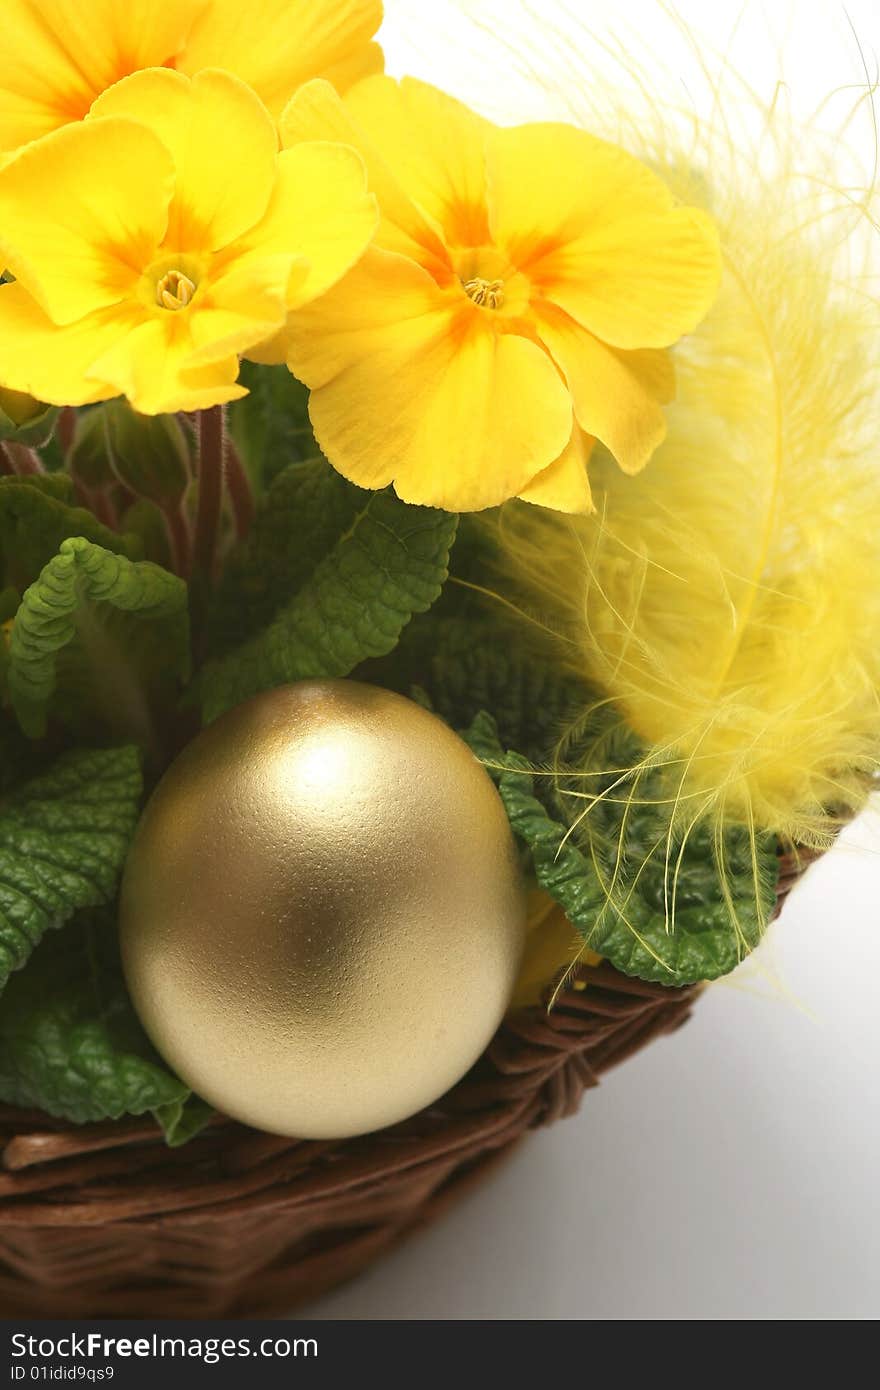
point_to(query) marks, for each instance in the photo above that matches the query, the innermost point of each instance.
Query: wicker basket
(104, 1220)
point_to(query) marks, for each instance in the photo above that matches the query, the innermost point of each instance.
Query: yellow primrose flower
(522, 289)
(162, 237)
(57, 56)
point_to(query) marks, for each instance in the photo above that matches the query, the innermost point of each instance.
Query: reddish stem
(24, 460)
(7, 467)
(103, 508)
(180, 540)
(66, 429)
(240, 493)
(212, 433)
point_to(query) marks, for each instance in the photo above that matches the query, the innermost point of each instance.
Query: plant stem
(179, 539)
(103, 508)
(21, 459)
(66, 429)
(240, 493)
(212, 435)
(7, 467)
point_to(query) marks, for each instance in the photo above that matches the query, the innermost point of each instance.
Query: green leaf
(182, 1120)
(618, 892)
(466, 665)
(16, 752)
(149, 454)
(24, 420)
(63, 839)
(390, 563)
(52, 454)
(70, 1042)
(37, 513)
(88, 458)
(270, 426)
(144, 520)
(98, 639)
(300, 518)
(9, 601)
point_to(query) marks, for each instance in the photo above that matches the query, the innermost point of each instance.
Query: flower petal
(272, 351)
(320, 212)
(358, 62)
(152, 366)
(564, 486)
(242, 308)
(548, 182)
(416, 386)
(317, 113)
(223, 143)
(52, 362)
(436, 147)
(598, 234)
(56, 56)
(617, 395)
(78, 244)
(639, 284)
(276, 45)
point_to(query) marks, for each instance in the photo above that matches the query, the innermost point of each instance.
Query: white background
(731, 1171)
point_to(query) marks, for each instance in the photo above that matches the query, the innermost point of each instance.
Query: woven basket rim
(106, 1219)
(30, 1139)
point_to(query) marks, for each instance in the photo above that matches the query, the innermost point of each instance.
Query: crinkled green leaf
(63, 839)
(618, 889)
(391, 562)
(300, 518)
(37, 513)
(98, 639)
(70, 1042)
(270, 426)
(182, 1120)
(466, 665)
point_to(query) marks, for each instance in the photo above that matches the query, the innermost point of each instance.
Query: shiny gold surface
(322, 913)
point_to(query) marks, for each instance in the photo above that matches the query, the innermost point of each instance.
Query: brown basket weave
(104, 1220)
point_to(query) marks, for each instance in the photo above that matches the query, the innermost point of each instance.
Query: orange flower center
(174, 290)
(490, 280)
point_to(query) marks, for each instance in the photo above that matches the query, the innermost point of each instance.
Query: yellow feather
(727, 599)
(552, 948)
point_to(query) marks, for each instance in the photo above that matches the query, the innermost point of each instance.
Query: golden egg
(322, 912)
